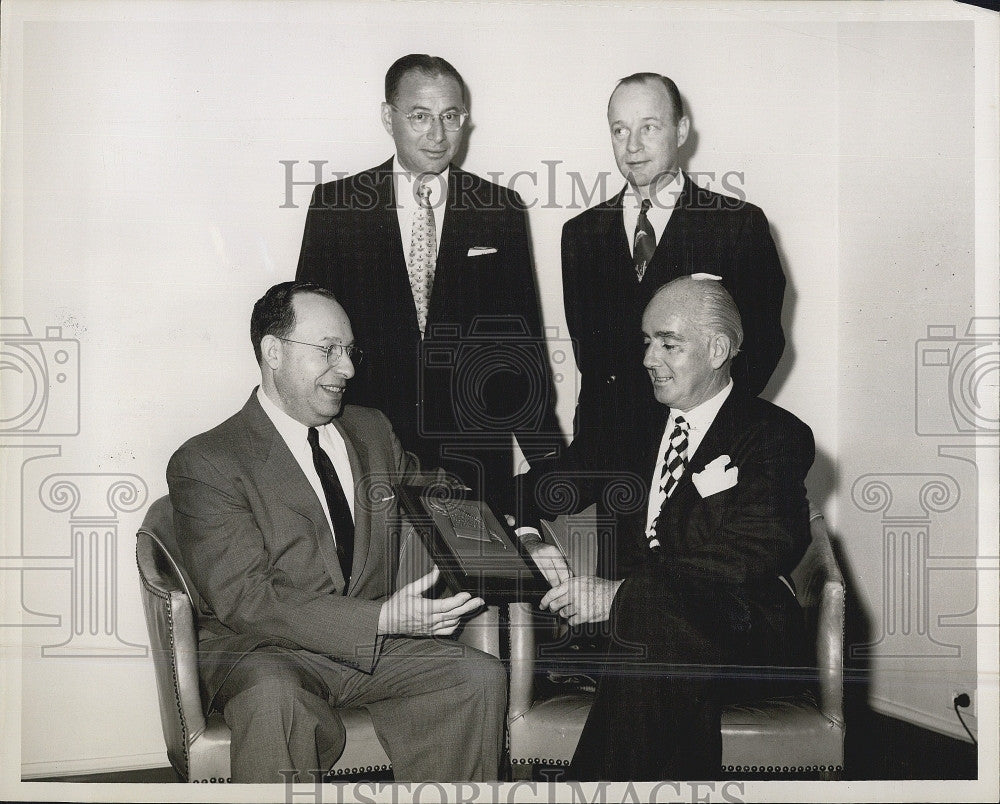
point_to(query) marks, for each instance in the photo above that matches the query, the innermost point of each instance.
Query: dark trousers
(658, 717)
(438, 707)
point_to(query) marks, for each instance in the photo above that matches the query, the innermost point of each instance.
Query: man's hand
(409, 612)
(550, 562)
(586, 599)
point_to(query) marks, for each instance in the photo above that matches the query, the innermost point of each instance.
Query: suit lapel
(617, 239)
(717, 441)
(282, 475)
(669, 256)
(385, 243)
(457, 229)
(650, 450)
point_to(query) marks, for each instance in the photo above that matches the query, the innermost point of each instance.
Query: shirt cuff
(529, 536)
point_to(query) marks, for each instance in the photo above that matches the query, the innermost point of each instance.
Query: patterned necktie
(336, 501)
(422, 255)
(674, 464)
(644, 243)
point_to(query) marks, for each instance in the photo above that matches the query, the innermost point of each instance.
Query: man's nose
(345, 366)
(649, 357)
(436, 131)
(634, 142)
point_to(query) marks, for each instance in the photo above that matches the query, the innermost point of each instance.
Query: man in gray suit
(297, 613)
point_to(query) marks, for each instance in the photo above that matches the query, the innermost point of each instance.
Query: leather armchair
(198, 744)
(798, 733)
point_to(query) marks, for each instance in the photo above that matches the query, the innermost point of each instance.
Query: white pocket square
(479, 251)
(715, 477)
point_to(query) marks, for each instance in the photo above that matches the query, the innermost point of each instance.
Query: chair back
(170, 620)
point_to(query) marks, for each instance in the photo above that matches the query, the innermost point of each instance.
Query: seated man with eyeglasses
(433, 266)
(288, 527)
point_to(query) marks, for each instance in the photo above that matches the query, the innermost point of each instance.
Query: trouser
(660, 716)
(438, 708)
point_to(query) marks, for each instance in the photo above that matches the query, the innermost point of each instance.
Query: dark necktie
(674, 463)
(644, 243)
(340, 511)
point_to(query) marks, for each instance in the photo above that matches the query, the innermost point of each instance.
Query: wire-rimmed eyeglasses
(333, 352)
(420, 120)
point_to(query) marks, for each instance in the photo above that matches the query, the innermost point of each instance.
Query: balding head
(692, 331)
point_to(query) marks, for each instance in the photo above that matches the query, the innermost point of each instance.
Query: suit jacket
(736, 542)
(257, 545)
(604, 301)
(481, 371)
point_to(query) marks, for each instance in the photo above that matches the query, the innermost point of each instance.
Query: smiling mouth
(660, 380)
(333, 389)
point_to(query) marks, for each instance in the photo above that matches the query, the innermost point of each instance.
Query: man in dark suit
(433, 266)
(698, 594)
(660, 226)
(288, 527)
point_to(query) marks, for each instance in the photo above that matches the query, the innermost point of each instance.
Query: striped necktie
(674, 464)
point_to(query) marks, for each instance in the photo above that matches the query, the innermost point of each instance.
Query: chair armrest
(482, 632)
(830, 627)
(522, 659)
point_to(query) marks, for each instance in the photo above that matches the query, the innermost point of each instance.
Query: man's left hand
(585, 599)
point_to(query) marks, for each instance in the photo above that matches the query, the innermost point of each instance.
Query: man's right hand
(550, 562)
(409, 612)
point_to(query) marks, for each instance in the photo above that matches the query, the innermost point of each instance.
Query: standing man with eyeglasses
(289, 531)
(433, 265)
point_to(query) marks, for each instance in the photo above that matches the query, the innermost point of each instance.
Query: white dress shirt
(663, 202)
(405, 187)
(296, 436)
(699, 419)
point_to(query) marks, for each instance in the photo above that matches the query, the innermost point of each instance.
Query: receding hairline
(640, 79)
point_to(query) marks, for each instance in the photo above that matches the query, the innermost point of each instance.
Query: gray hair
(715, 311)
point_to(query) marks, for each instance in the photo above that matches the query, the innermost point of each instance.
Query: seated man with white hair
(694, 592)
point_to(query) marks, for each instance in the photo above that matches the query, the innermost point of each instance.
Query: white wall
(144, 210)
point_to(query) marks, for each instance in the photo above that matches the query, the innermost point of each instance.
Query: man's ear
(387, 117)
(683, 129)
(270, 351)
(720, 350)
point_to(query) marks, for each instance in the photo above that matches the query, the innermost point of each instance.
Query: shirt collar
(294, 432)
(700, 417)
(665, 197)
(404, 184)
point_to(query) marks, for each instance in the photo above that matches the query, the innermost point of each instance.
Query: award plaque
(475, 551)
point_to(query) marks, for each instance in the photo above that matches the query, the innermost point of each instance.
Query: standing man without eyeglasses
(615, 255)
(659, 227)
(433, 266)
(291, 539)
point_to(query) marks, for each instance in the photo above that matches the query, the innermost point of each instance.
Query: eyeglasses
(334, 352)
(420, 122)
